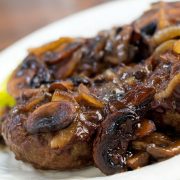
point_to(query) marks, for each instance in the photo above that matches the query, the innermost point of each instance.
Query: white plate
(86, 23)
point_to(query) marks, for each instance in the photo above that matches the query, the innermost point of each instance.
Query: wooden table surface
(21, 17)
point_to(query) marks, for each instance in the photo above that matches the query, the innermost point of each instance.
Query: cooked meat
(112, 100)
(68, 57)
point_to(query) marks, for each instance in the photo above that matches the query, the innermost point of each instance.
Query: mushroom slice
(57, 85)
(164, 152)
(68, 69)
(138, 160)
(32, 103)
(116, 131)
(64, 136)
(62, 85)
(156, 138)
(64, 96)
(62, 53)
(50, 117)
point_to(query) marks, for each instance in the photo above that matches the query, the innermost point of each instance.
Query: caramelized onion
(32, 103)
(176, 47)
(158, 139)
(67, 84)
(62, 85)
(63, 96)
(63, 53)
(168, 45)
(169, 89)
(144, 128)
(163, 21)
(90, 99)
(69, 67)
(50, 46)
(57, 86)
(13, 84)
(166, 34)
(63, 137)
(138, 160)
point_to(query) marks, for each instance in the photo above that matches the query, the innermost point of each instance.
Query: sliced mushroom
(50, 117)
(164, 152)
(64, 137)
(64, 96)
(62, 85)
(138, 160)
(116, 131)
(57, 86)
(32, 103)
(62, 53)
(112, 140)
(156, 138)
(68, 69)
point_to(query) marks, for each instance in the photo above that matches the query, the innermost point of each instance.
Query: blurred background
(21, 17)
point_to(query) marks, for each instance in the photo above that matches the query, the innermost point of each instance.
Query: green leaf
(5, 98)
